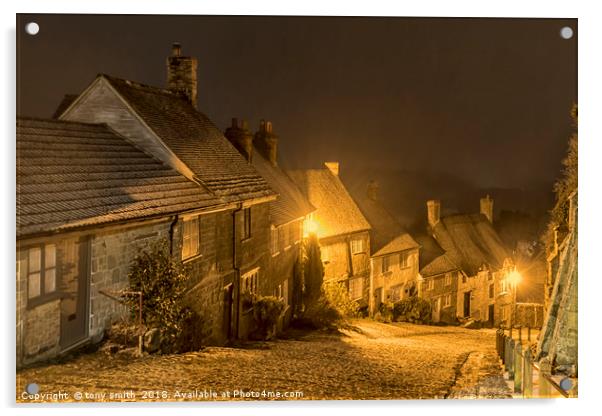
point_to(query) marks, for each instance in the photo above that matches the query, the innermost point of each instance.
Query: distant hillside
(405, 194)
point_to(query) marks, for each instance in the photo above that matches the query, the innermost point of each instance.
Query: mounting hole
(566, 32)
(32, 388)
(32, 28)
(566, 384)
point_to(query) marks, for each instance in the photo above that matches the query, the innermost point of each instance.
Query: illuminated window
(191, 237)
(430, 284)
(246, 223)
(447, 301)
(249, 282)
(386, 264)
(356, 288)
(275, 241)
(404, 259)
(357, 245)
(41, 271)
(448, 279)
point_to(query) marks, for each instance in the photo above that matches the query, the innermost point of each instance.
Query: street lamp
(513, 278)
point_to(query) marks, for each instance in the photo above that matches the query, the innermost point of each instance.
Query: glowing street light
(310, 226)
(513, 278)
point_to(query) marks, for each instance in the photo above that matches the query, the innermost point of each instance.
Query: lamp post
(513, 278)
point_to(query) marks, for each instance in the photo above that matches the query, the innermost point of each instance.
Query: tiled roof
(291, 204)
(387, 235)
(336, 212)
(471, 242)
(75, 174)
(194, 139)
(432, 259)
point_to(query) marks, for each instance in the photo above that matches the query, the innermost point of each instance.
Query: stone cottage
(438, 281)
(228, 247)
(286, 214)
(341, 228)
(88, 200)
(471, 244)
(394, 260)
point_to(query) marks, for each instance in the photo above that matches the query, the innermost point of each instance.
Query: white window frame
(358, 282)
(45, 270)
(448, 279)
(275, 241)
(404, 259)
(189, 229)
(386, 264)
(249, 282)
(447, 300)
(357, 246)
(430, 284)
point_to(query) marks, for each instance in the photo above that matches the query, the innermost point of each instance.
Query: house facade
(88, 202)
(286, 214)
(394, 260)
(478, 266)
(341, 228)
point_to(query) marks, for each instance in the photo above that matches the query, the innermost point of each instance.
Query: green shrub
(331, 309)
(385, 312)
(266, 312)
(337, 295)
(412, 309)
(163, 282)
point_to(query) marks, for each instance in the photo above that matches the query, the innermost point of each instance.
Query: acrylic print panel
(228, 208)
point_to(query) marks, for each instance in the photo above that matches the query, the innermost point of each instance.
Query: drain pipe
(236, 268)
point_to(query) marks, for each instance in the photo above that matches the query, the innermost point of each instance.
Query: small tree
(163, 282)
(313, 269)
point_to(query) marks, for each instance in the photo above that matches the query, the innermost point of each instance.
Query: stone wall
(440, 289)
(397, 279)
(112, 253)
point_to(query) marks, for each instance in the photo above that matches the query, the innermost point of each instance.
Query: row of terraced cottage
(123, 165)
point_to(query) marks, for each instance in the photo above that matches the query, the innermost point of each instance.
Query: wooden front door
(491, 315)
(437, 310)
(466, 304)
(228, 311)
(74, 265)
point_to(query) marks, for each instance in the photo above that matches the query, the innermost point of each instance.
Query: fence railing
(531, 379)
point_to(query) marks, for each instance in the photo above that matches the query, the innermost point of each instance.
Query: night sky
(486, 100)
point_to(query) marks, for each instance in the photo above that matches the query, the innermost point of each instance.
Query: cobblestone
(370, 361)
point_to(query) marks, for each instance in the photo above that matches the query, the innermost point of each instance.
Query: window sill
(275, 254)
(33, 303)
(245, 240)
(193, 258)
(287, 248)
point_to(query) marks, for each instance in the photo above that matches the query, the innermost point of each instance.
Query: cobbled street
(371, 361)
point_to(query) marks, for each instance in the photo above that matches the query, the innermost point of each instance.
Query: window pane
(33, 285)
(49, 280)
(49, 256)
(34, 259)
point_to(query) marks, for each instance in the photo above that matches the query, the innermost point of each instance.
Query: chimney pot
(241, 138)
(182, 74)
(372, 190)
(433, 207)
(333, 167)
(267, 142)
(486, 205)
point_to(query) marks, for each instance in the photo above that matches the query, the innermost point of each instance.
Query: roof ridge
(141, 85)
(52, 121)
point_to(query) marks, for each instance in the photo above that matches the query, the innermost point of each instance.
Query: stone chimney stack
(333, 167)
(372, 191)
(267, 142)
(182, 74)
(240, 136)
(433, 207)
(487, 208)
